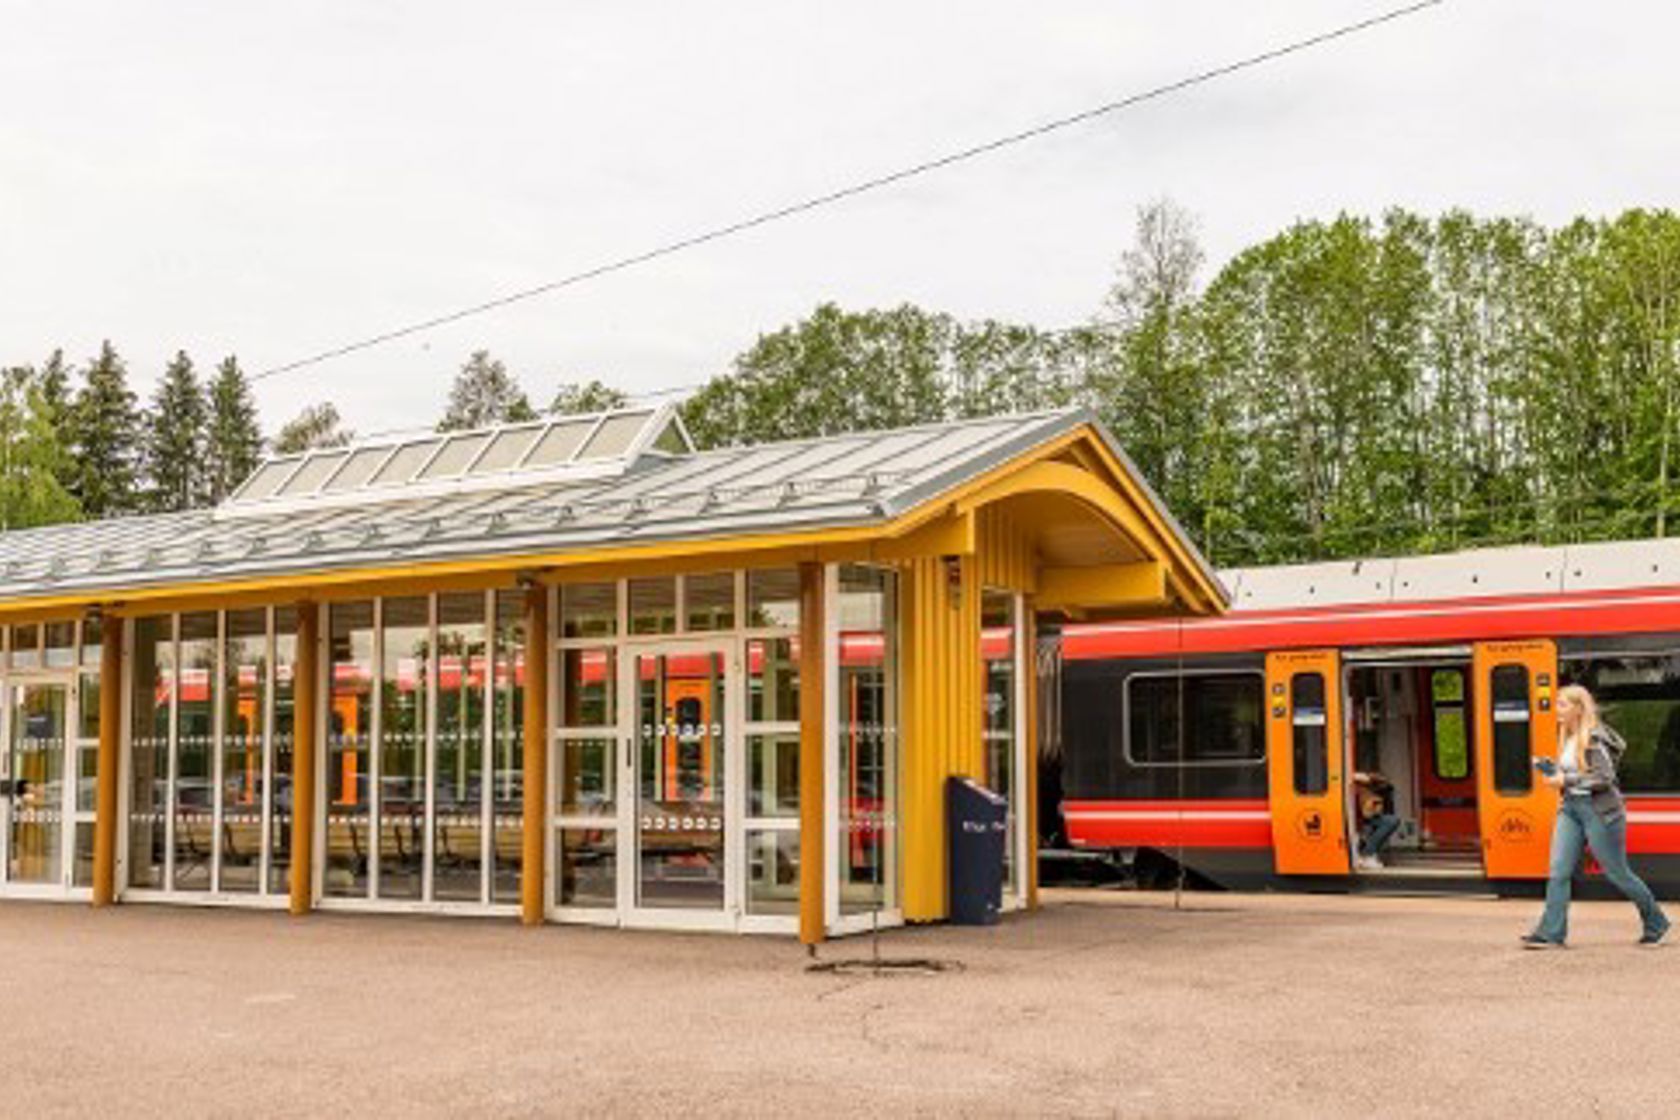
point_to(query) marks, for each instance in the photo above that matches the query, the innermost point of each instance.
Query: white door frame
(69, 779)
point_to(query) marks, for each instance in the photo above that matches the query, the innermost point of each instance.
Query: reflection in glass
(349, 725)
(680, 778)
(653, 606)
(244, 692)
(195, 795)
(280, 791)
(773, 775)
(709, 601)
(868, 617)
(153, 674)
(586, 777)
(773, 599)
(588, 687)
(508, 758)
(406, 637)
(586, 867)
(589, 610)
(61, 644)
(458, 780)
(26, 647)
(773, 680)
(773, 871)
(39, 726)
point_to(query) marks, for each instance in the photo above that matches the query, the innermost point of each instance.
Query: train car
(1228, 746)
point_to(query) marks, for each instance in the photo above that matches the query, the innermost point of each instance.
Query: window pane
(588, 687)
(1511, 758)
(61, 644)
(998, 716)
(586, 867)
(92, 642)
(586, 786)
(406, 639)
(244, 692)
(349, 726)
(653, 606)
(710, 601)
(868, 613)
(508, 762)
(26, 647)
(1452, 739)
(773, 598)
(588, 610)
(614, 436)
(195, 818)
(148, 760)
(773, 775)
(773, 679)
(1310, 733)
(39, 738)
(458, 784)
(280, 808)
(1224, 713)
(773, 872)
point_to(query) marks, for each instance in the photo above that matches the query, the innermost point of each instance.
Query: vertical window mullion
(376, 748)
(429, 769)
(264, 856)
(169, 793)
(486, 754)
(218, 669)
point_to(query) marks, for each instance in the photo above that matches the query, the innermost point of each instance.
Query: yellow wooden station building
(572, 670)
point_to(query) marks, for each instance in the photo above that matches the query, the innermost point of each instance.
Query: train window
(1223, 718)
(1310, 726)
(1512, 763)
(1452, 737)
(1639, 696)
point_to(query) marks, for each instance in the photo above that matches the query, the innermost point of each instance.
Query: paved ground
(1102, 1004)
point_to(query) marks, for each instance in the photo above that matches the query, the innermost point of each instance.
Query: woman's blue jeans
(1577, 824)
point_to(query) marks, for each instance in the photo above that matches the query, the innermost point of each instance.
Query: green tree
(104, 431)
(233, 443)
(176, 439)
(316, 426)
(576, 398)
(32, 457)
(483, 394)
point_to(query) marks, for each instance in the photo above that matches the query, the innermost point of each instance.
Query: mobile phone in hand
(1546, 766)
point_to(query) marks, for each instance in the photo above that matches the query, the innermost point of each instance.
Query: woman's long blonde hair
(1589, 720)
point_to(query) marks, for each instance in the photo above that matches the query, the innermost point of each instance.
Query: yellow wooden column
(1029, 667)
(110, 761)
(813, 676)
(532, 874)
(306, 704)
(940, 717)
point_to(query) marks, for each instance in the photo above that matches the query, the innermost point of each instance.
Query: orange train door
(1304, 761)
(1515, 724)
(688, 740)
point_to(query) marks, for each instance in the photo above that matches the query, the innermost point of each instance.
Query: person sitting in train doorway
(1375, 813)
(1590, 812)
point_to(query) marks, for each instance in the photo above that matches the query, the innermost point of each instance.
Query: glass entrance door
(681, 762)
(38, 808)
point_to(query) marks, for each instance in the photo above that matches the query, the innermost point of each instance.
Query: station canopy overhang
(624, 493)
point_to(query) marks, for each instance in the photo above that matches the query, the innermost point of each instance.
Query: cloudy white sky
(276, 179)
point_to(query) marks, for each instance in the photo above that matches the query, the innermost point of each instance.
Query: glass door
(38, 810)
(681, 760)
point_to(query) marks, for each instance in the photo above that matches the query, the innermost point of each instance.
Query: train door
(1514, 686)
(1304, 752)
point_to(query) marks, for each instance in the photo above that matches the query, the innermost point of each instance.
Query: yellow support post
(532, 874)
(305, 715)
(110, 738)
(812, 677)
(1029, 643)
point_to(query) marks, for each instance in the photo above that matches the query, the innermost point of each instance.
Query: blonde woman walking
(1590, 812)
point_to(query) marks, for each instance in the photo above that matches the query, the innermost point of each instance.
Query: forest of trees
(1360, 386)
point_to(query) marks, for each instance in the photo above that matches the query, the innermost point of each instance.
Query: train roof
(1473, 574)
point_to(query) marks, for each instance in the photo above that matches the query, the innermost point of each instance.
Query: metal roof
(1478, 573)
(857, 479)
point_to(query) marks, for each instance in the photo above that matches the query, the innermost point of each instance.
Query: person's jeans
(1376, 834)
(1577, 823)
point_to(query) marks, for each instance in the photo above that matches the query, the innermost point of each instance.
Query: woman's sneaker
(1535, 941)
(1652, 940)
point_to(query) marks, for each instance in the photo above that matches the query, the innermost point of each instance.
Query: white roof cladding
(855, 479)
(1479, 573)
(556, 449)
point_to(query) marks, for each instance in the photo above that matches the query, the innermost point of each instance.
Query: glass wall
(458, 800)
(868, 734)
(404, 710)
(244, 701)
(151, 728)
(345, 791)
(585, 795)
(283, 723)
(507, 766)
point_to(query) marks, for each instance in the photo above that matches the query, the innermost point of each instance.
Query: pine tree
(175, 439)
(54, 384)
(484, 394)
(104, 430)
(234, 443)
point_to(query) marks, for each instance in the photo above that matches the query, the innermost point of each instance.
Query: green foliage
(176, 439)
(316, 426)
(484, 394)
(233, 440)
(576, 398)
(32, 457)
(104, 436)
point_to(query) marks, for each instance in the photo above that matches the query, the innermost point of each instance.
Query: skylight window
(506, 450)
(614, 436)
(315, 470)
(409, 458)
(560, 442)
(457, 453)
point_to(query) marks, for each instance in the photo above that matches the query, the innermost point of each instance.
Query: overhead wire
(865, 186)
